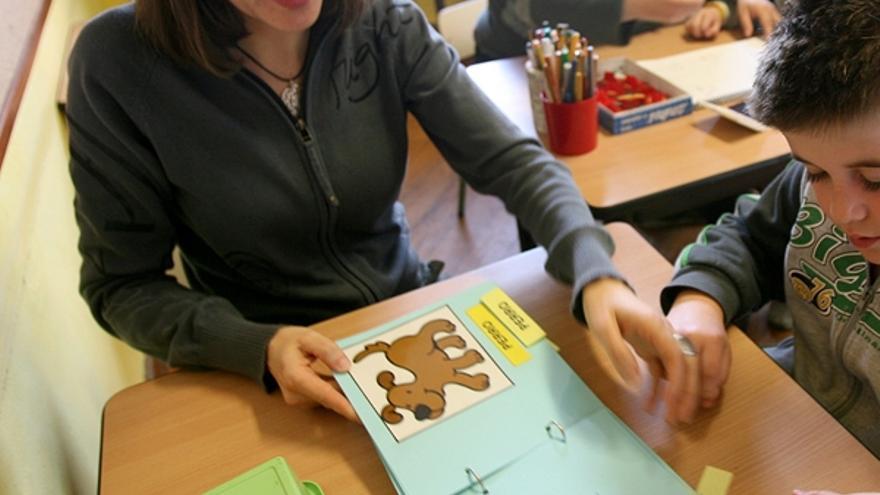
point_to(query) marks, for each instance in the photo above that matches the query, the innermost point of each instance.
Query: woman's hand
(294, 355)
(705, 24)
(699, 318)
(616, 316)
(764, 11)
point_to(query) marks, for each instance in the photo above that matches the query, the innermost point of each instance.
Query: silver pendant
(290, 97)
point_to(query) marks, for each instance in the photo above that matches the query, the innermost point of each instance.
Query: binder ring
(554, 424)
(473, 477)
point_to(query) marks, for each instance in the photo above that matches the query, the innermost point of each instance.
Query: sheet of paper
(716, 73)
(499, 334)
(741, 119)
(714, 481)
(508, 311)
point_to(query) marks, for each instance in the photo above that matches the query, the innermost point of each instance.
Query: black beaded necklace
(290, 93)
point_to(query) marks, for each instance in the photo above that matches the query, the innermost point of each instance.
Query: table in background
(189, 431)
(661, 169)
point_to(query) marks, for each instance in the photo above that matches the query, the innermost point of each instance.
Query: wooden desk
(663, 169)
(189, 431)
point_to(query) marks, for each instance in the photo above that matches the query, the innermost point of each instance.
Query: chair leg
(462, 192)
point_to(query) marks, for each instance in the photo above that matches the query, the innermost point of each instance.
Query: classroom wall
(57, 368)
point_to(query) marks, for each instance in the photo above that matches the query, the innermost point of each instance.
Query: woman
(267, 138)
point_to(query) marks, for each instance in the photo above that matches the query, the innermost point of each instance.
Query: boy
(813, 237)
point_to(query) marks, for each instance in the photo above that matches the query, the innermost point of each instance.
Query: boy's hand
(295, 355)
(705, 24)
(764, 11)
(701, 319)
(615, 315)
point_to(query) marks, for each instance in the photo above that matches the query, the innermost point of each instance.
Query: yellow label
(509, 312)
(499, 335)
(714, 481)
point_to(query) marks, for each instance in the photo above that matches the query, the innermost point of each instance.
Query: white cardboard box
(678, 104)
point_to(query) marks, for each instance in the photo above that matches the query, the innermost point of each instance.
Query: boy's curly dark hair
(821, 66)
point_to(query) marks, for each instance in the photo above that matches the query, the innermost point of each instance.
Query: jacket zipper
(856, 389)
(331, 200)
(331, 204)
(303, 130)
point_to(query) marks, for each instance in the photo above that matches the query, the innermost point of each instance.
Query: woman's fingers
(608, 333)
(315, 344)
(326, 393)
(657, 374)
(311, 385)
(296, 356)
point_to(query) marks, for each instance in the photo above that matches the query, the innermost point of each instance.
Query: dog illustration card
(424, 371)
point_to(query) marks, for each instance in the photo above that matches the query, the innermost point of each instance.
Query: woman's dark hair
(201, 32)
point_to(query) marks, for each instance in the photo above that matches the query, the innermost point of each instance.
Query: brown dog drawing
(433, 369)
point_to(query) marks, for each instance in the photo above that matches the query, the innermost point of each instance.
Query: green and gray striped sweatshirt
(785, 247)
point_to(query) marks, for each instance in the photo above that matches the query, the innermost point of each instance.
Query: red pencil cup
(573, 128)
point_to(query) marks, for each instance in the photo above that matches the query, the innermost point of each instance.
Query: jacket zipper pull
(303, 130)
(307, 138)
